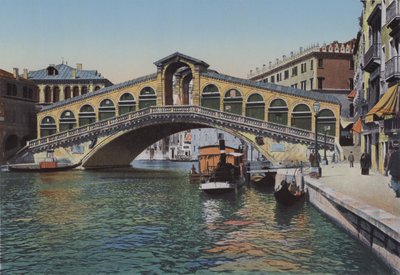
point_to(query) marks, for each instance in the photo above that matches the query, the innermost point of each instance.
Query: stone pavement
(372, 189)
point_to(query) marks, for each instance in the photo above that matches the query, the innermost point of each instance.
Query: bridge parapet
(194, 114)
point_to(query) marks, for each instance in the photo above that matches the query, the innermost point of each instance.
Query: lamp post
(317, 106)
(326, 129)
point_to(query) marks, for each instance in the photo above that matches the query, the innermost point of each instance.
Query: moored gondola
(284, 196)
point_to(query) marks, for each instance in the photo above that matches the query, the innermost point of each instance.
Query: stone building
(377, 58)
(328, 69)
(60, 82)
(18, 98)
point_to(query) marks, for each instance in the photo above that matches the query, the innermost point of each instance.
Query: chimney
(79, 66)
(270, 64)
(73, 73)
(291, 54)
(301, 49)
(26, 73)
(15, 73)
(283, 57)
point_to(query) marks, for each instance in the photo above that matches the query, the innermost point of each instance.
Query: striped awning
(386, 106)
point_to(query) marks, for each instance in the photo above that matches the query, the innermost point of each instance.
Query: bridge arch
(278, 111)
(106, 109)
(176, 70)
(147, 97)
(210, 97)
(47, 126)
(67, 121)
(255, 106)
(233, 102)
(86, 115)
(126, 103)
(301, 117)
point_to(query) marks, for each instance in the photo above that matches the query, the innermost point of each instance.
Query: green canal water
(151, 220)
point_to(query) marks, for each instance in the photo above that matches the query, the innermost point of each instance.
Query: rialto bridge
(111, 126)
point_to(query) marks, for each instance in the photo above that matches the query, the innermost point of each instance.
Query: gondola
(266, 180)
(284, 196)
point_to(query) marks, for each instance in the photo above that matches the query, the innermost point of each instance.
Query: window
(9, 89)
(147, 98)
(233, 102)
(351, 84)
(278, 112)
(286, 74)
(320, 83)
(265, 80)
(25, 92)
(294, 71)
(312, 65)
(272, 79)
(14, 92)
(351, 64)
(255, 106)
(294, 85)
(303, 67)
(320, 63)
(106, 109)
(126, 104)
(210, 97)
(303, 85)
(311, 83)
(278, 77)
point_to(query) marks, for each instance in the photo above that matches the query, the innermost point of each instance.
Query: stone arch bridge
(111, 126)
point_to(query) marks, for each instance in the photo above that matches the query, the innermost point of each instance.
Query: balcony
(392, 69)
(392, 125)
(372, 58)
(393, 16)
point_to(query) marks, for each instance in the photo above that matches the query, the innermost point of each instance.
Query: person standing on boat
(351, 159)
(393, 168)
(365, 162)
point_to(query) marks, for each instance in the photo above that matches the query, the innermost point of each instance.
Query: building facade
(378, 65)
(18, 98)
(61, 82)
(328, 69)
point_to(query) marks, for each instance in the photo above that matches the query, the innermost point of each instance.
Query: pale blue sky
(122, 38)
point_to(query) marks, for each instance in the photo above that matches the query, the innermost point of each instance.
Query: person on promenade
(351, 159)
(393, 168)
(365, 162)
(313, 159)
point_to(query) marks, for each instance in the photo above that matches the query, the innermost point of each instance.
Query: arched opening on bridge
(97, 87)
(67, 92)
(255, 106)
(67, 121)
(84, 90)
(47, 94)
(147, 98)
(327, 122)
(11, 143)
(126, 104)
(177, 84)
(56, 94)
(75, 91)
(47, 126)
(86, 115)
(210, 97)
(233, 102)
(301, 117)
(106, 109)
(278, 112)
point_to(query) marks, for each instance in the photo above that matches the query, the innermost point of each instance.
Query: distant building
(18, 97)
(328, 69)
(60, 82)
(377, 79)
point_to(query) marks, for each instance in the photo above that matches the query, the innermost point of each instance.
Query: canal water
(151, 220)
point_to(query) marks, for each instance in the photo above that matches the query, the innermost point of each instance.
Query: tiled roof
(101, 91)
(5, 74)
(178, 54)
(273, 87)
(64, 72)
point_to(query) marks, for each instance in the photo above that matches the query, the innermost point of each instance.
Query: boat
(44, 166)
(226, 176)
(286, 196)
(263, 180)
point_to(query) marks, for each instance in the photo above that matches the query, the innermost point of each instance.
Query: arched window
(75, 91)
(210, 97)
(126, 104)
(67, 121)
(147, 98)
(233, 102)
(278, 112)
(255, 106)
(106, 109)
(86, 115)
(97, 88)
(84, 90)
(301, 117)
(56, 94)
(47, 126)
(67, 92)
(47, 94)
(327, 122)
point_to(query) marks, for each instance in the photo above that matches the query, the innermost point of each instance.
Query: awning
(357, 127)
(351, 95)
(345, 122)
(385, 107)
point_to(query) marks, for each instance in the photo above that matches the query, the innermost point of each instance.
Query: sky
(122, 38)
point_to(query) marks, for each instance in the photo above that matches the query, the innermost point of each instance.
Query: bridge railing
(223, 116)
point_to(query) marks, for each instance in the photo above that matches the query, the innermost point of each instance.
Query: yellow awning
(386, 106)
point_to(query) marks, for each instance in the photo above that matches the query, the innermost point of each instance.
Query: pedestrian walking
(393, 168)
(365, 162)
(351, 159)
